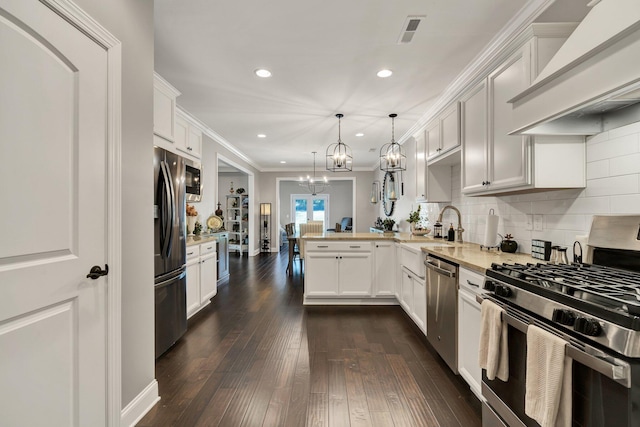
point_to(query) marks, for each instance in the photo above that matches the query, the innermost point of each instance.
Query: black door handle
(96, 272)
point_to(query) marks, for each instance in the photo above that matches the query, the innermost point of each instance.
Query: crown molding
(216, 137)
(478, 67)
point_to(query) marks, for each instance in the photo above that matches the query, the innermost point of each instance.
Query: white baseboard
(350, 301)
(140, 405)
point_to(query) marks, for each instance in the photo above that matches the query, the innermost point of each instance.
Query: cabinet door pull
(355, 246)
(469, 282)
(323, 246)
(210, 247)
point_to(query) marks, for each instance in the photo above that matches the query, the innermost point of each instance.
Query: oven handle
(615, 369)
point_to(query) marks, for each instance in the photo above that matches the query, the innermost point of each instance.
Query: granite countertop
(398, 237)
(467, 255)
(203, 238)
(470, 256)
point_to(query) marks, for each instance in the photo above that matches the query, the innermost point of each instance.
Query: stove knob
(564, 317)
(503, 291)
(590, 327)
(490, 285)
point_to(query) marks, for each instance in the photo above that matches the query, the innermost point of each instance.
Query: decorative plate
(214, 222)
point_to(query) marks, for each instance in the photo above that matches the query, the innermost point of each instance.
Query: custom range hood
(592, 84)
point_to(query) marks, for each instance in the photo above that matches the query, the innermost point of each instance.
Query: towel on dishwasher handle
(493, 355)
(548, 381)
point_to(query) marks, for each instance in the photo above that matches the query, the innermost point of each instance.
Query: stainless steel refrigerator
(169, 249)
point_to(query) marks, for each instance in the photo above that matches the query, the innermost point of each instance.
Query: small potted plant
(388, 224)
(508, 244)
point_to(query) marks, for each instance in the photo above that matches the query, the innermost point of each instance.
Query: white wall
(365, 214)
(613, 187)
(132, 23)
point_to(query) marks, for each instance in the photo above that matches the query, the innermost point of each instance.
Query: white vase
(191, 224)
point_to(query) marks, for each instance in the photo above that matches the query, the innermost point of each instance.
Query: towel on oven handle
(493, 355)
(548, 379)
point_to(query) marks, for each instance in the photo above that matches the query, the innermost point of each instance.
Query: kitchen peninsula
(365, 268)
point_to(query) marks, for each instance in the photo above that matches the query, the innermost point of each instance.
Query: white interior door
(53, 109)
(307, 207)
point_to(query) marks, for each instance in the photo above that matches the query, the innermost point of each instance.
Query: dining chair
(314, 227)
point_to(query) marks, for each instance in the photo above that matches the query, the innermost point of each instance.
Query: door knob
(96, 272)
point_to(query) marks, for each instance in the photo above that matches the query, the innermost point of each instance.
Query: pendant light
(392, 157)
(339, 158)
(314, 184)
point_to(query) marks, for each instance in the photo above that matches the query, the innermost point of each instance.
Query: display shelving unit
(237, 222)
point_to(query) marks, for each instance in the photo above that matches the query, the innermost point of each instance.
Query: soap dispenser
(451, 235)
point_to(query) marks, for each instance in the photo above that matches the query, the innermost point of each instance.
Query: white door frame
(253, 199)
(89, 26)
(295, 179)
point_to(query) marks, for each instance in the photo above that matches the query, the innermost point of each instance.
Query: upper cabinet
(174, 130)
(494, 162)
(443, 134)
(433, 182)
(164, 108)
(188, 137)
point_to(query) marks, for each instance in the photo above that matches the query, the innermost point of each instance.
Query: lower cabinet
(344, 273)
(469, 329)
(413, 298)
(201, 276)
(384, 268)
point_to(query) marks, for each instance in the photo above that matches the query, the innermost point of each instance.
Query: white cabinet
(413, 298)
(443, 134)
(436, 151)
(473, 117)
(193, 280)
(201, 276)
(384, 268)
(208, 280)
(494, 162)
(164, 108)
(338, 269)
(469, 329)
(188, 138)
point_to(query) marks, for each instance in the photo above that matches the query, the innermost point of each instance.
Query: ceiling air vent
(409, 28)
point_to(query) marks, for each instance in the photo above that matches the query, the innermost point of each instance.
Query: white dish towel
(548, 381)
(493, 354)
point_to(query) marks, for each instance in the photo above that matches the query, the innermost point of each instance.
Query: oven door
(602, 395)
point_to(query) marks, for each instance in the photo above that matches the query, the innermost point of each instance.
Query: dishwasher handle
(439, 270)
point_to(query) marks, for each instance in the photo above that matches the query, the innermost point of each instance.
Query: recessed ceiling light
(262, 135)
(360, 134)
(262, 72)
(282, 161)
(384, 73)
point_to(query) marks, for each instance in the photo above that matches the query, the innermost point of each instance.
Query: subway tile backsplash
(613, 187)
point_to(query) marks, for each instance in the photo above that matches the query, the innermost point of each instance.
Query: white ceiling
(324, 56)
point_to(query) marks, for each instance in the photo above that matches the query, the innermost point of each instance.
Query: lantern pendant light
(392, 157)
(339, 158)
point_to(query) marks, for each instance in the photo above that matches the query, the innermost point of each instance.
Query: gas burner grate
(607, 287)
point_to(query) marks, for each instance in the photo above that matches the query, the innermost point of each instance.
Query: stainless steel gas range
(593, 306)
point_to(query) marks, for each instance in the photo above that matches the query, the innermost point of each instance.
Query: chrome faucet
(459, 230)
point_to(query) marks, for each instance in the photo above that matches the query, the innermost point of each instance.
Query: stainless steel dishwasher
(442, 308)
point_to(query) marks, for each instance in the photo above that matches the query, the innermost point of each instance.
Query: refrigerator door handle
(165, 236)
(172, 204)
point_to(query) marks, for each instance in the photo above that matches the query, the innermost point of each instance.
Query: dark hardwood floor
(257, 357)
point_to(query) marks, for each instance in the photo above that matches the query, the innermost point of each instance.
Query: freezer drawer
(171, 311)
